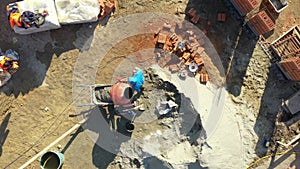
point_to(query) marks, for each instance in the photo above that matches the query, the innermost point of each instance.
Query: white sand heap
(37, 6)
(77, 11)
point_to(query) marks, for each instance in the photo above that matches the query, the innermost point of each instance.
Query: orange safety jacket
(15, 19)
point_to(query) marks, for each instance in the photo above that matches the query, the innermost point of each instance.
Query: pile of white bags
(77, 11)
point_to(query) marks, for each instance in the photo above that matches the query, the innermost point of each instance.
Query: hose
(268, 156)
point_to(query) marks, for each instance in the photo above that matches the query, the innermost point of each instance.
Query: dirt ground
(36, 103)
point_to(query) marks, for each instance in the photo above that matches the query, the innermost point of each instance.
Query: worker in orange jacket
(15, 19)
(14, 16)
(8, 64)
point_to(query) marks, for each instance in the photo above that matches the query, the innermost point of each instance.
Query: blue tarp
(137, 80)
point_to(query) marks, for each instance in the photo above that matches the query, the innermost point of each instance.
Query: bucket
(52, 160)
(129, 126)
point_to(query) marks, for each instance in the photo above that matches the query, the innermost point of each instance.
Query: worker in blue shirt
(136, 81)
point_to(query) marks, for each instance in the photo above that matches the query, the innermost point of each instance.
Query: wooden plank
(294, 140)
(292, 45)
(287, 38)
(291, 53)
(288, 32)
(295, 43)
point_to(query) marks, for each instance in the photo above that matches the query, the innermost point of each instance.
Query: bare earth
(36, 103)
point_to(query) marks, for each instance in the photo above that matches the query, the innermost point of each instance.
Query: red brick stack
(292, 67)
(247, 6)
(262, 23)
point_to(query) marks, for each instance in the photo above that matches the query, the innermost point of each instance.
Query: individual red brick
(192, 12)
(221, 17)
(195, 19)
(200, 50)
(203, 78)
(186, 56)
(109, 7)
(162, 38)
(198, 60)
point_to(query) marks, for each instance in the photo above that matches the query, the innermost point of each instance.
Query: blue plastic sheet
(137, 80)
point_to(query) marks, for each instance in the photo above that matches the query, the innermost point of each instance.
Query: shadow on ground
(4, 131)
(36, 52)
(110, 132)
(274, 92)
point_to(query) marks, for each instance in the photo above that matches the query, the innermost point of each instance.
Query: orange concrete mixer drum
(121, 93)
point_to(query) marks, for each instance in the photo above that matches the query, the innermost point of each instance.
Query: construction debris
(106, 7)
(292, 104)
(189, 54)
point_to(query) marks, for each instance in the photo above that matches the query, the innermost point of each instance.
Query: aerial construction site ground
(36, 103)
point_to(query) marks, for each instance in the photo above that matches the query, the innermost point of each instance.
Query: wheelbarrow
(99, 95)
(118, 94)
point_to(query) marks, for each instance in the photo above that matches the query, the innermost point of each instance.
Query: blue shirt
(137, 80)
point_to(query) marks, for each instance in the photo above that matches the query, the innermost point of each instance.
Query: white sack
(77, 11)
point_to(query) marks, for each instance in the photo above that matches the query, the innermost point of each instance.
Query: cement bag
(77, 11)
(38, 6)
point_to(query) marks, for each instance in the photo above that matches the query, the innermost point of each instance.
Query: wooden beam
(287, 38)
(296, 42)
(292, 53)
